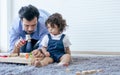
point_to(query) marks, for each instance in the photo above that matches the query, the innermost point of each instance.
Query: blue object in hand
(28, 46)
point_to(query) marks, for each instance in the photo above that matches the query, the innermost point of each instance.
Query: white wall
(3, 26)
(93, 24)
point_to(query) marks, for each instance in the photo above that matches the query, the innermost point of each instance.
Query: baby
(55, 45)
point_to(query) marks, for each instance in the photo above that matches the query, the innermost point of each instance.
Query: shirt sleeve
(44, 41)
(44, 13)
(13, 35)
(43, 30)
(66, 41)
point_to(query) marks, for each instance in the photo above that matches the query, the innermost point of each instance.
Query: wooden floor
(94, 53)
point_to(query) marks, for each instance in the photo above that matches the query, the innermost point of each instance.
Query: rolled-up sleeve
(13, 35)
(43, 30)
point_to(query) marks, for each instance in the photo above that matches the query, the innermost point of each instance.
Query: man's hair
(28, 12)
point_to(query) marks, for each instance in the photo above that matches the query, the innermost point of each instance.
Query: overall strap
(63, 35)
(49, 36)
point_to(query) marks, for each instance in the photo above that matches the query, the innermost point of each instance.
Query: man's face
(29, 26)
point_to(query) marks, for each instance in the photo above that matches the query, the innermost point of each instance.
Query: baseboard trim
(95, 52)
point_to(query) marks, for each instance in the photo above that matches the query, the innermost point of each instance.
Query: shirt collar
(59, 35)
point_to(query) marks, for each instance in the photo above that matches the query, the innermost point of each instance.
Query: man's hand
(20, 43)
(37, 53)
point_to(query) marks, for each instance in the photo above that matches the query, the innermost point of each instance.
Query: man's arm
(13, 38)
(43, 29)
(13, 34)
(18, 45)
(16, 50)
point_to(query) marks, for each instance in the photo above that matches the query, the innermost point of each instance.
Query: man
(31, 22)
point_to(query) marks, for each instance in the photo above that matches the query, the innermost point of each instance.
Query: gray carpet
(110, 65)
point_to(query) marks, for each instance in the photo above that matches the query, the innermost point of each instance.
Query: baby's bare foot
(37, 63)
(65, 64)
(62, 64)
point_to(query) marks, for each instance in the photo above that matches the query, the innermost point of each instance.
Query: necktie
(28, 46)
(28, 43)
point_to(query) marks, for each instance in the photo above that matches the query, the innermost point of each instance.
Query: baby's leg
(65, 60)
(44, 62)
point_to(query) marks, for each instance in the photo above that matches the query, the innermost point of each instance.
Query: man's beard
(29, 32)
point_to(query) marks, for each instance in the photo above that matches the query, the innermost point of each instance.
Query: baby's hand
(47, 54)
(37, 53)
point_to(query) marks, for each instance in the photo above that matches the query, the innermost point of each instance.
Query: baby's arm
(67, 44)
(45, 52)
(67, 49)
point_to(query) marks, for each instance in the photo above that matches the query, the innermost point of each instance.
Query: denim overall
(56, 48)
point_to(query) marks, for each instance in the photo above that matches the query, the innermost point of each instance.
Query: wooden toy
(27, 55)
(67, 70)
(87, 72)
(94, 71)
(78, 73)
(14, 58)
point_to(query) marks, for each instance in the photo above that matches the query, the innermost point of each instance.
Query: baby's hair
(56, 19)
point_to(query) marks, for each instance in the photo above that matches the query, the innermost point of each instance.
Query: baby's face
(53, 30)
